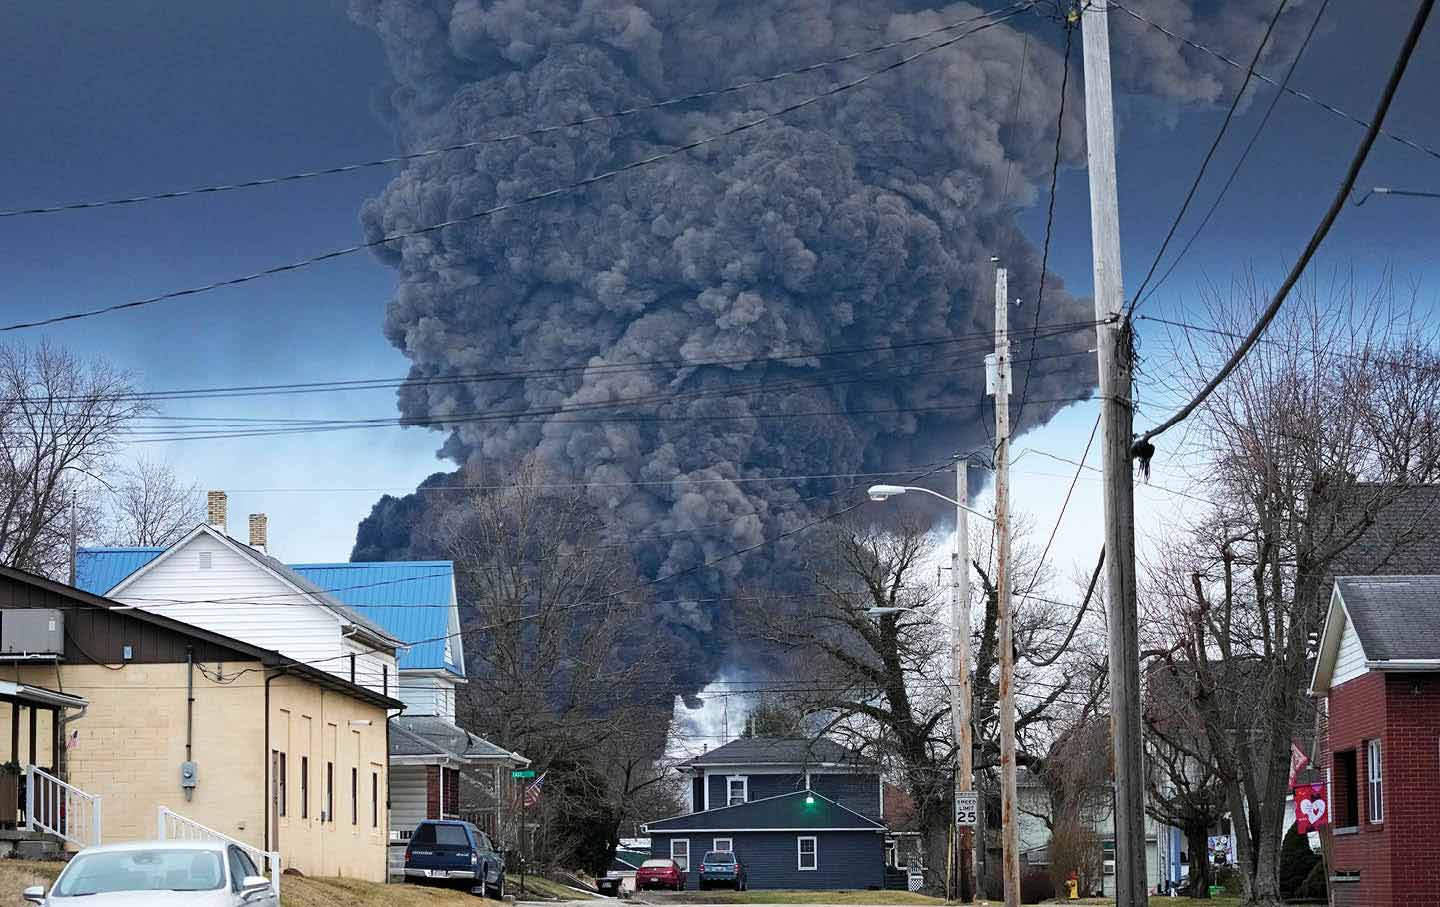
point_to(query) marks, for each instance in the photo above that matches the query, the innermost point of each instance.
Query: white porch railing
(171, 826)
(61, 809)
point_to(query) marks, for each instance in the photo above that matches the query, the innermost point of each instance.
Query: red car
(660, 874)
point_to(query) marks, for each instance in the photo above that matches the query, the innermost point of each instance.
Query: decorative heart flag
(1312, 810)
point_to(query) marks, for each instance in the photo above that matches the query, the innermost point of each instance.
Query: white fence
(57, 808)
(173, 826)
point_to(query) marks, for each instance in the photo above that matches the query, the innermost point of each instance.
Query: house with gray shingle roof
(1378, 671)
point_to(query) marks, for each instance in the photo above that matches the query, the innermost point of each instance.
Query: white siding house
(212, 581)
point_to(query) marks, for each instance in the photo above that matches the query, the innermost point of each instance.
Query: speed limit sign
(967, 804)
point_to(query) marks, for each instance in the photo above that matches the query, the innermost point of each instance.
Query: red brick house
(1378, 669)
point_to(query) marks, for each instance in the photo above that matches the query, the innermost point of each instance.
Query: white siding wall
(370, 666)
(1350, 660)
(427, 695)
(407, 798)
(255, 607)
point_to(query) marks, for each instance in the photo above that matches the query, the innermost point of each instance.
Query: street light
(879, 493)
(960, 704)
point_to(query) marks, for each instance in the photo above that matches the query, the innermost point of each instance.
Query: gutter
(1405, 664)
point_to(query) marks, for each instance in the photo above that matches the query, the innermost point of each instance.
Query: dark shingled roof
(1405, 539)
(785, 811)
(424, 736)
(780, 751)
(1396, 617)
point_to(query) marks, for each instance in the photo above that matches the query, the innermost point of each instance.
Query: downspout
(189, 706)
(265, 788)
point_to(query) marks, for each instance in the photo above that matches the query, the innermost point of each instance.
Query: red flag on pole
(1298, 762)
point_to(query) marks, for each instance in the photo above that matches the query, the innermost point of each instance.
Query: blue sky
(147, 96)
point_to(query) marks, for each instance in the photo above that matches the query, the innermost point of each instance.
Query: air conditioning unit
(32, 633)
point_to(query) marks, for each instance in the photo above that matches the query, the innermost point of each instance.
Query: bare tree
(62, 419)
(881, 682)
(152, 506)
(1321, 429)
(564, 654)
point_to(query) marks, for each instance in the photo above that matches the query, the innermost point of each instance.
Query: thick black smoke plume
(866, 220)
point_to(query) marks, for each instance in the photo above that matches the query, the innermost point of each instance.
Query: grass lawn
(16, 875)
(772, 896)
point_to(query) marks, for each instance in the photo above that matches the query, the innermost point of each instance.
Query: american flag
(532, 793)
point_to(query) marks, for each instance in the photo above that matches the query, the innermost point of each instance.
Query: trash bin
(1215, 891)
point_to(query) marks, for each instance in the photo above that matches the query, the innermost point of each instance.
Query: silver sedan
(158, 874)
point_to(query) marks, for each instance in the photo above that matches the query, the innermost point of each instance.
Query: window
(1374, 776)
(374, 799)
(280, 778)
(385, 680)
(737, 790)
(304, 787)
(809, 854)
(723, 845)
(354, 796)
(1345, 793)
(329, 792)
(352, 667)
(680, 853)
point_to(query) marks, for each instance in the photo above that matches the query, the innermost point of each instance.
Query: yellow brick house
(117, 701)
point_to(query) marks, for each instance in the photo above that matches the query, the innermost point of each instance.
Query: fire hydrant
(1072, 887)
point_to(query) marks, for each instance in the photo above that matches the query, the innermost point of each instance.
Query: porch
(38, 810)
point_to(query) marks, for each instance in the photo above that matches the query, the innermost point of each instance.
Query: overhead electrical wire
(1410, 143)
(1142, 447)
(995, 19)
(1209, 154)
(706, 94)
(1244, 155)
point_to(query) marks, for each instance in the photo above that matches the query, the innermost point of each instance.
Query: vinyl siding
(407, 798)
(427, 695)
(370, 667)
(238, 598)
(860, 792)
(847, 860)
(1350, 660)
(852, 791)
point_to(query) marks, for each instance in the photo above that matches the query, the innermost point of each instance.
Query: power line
(1209, 154)
(1049, 216)
(1143, 447)
(529, 199)
(706, 94)
(1244, 155)
(1385, 190)
(1409, 143)
(1276, 342)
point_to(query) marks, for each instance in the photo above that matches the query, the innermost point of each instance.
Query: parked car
(660, 874)
(722, 867)
(455, 853)
(158, 874)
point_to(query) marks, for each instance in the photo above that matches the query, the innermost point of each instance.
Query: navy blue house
(797, 813)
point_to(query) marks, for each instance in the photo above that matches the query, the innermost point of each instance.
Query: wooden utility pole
(1009, 811)
(1117, 424)
(961, 703)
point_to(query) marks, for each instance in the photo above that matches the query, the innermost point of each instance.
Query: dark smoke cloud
(867, 219)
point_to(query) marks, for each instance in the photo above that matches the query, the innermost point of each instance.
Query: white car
(158, 873)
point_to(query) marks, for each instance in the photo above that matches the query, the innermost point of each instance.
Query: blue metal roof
(410, 599)
(98, 570)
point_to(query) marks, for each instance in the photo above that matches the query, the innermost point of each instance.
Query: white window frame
(800, 853)
(1374, 782)
(744, 789)
(728, 848)
(684, 866)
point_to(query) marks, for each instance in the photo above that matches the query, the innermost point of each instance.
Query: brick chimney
(215, 509)
(259, 526)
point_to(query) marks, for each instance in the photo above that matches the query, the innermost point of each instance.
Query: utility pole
(1117, 423)
(74, 537)
(1009, 811)
(960, 695)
